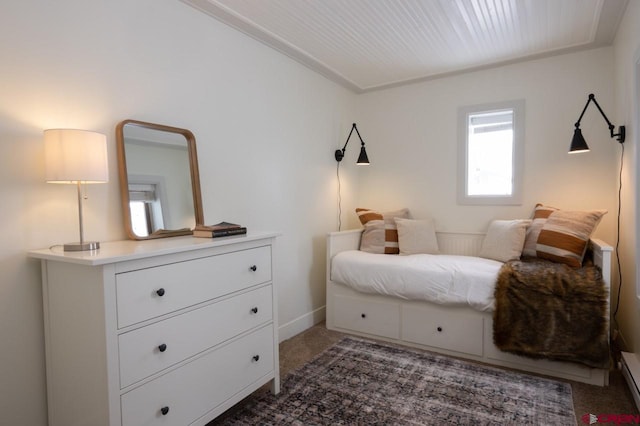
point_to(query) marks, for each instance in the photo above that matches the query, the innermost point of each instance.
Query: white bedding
(443, 279)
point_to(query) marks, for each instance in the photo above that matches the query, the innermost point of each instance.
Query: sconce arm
(339, 154)
(620, 136)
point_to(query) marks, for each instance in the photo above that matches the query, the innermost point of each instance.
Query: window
(490, 151)
(146, 208)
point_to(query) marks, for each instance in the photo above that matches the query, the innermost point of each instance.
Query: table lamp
(76, 157)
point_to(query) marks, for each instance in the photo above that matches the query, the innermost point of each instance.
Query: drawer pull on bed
(253, 268)
(363, 315)
(256, 358)
(162, 347)
(160, 292)
(164, 410)
(439, 329)
(254, 310)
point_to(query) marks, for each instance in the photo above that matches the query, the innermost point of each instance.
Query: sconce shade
(578, 144)
(362, 158)
(75, 156)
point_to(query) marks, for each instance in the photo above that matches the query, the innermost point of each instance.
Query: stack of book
(222, 229)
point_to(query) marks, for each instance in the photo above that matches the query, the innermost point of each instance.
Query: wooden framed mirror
(159, 180)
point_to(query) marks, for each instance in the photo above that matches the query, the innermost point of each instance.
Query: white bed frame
(452, 330)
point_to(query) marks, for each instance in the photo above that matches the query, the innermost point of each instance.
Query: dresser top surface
(118, 251)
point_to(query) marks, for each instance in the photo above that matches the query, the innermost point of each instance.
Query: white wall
(412, 141)
(627, 91)
(265, 126)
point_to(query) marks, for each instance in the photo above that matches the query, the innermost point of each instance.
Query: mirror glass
(159, 180)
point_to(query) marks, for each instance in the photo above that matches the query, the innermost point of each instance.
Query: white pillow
(504, 240)
(416, 236)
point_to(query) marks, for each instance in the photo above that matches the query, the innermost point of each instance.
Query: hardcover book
(221, 229)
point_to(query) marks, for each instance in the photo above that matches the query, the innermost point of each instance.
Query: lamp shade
(578, 144)
(363, 160)
(75, 156)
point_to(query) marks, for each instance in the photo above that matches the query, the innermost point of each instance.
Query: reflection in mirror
(159, 180)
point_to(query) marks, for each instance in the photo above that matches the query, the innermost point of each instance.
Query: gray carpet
(357, 381)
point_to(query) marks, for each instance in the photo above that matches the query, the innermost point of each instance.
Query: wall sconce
(76, 157)
(578, 144)
(363, 160)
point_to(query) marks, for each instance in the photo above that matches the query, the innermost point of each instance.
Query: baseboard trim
(302, 323)
(631, 372)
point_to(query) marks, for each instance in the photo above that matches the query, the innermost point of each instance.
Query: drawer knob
(253, 268)
(254, 310)
(439, 329)
(164, 410)
(256, 358)
(363, 315)
(162, 347)
(160, 292)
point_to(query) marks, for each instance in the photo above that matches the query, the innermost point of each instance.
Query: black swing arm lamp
(578, 144)
(363, 159)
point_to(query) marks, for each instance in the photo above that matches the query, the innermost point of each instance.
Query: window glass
(146, 208)
(490, 150)
(140, 218)
(490, 166)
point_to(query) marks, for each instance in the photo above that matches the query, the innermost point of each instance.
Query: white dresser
(161, 332)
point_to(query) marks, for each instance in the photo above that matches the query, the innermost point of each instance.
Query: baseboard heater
(631, 373)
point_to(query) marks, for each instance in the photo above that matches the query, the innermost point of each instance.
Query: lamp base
(84, 246)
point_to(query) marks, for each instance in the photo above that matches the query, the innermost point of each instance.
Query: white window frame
(518, 107)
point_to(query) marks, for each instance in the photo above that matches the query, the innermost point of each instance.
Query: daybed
(458, 329)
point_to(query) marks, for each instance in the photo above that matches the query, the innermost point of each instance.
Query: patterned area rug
(359, 382)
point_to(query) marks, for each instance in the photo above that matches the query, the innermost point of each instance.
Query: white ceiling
(372, 44)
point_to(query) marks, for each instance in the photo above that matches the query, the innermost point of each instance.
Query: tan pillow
(391, 231)
(416, 236)
(540, 215)
(504, 240)
(565, 236)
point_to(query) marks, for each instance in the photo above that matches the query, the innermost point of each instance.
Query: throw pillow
(416, 236)
(504, 240)
(540, 215)
(565, 235)
(372, 239)
(391, 231)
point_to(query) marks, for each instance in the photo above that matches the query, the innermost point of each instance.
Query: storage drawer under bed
(379, 318)
(445, 328)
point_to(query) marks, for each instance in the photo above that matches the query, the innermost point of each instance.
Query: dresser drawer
(444, 328)
(153, 348)
(367, 316)
(152, 292)
(198, 387)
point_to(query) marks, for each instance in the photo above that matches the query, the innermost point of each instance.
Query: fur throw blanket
(550, 310)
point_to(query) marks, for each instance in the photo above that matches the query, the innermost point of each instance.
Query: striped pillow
(540, 215)
(565, 235)
(370, 241)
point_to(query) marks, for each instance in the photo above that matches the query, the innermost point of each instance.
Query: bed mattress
(443, 279)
